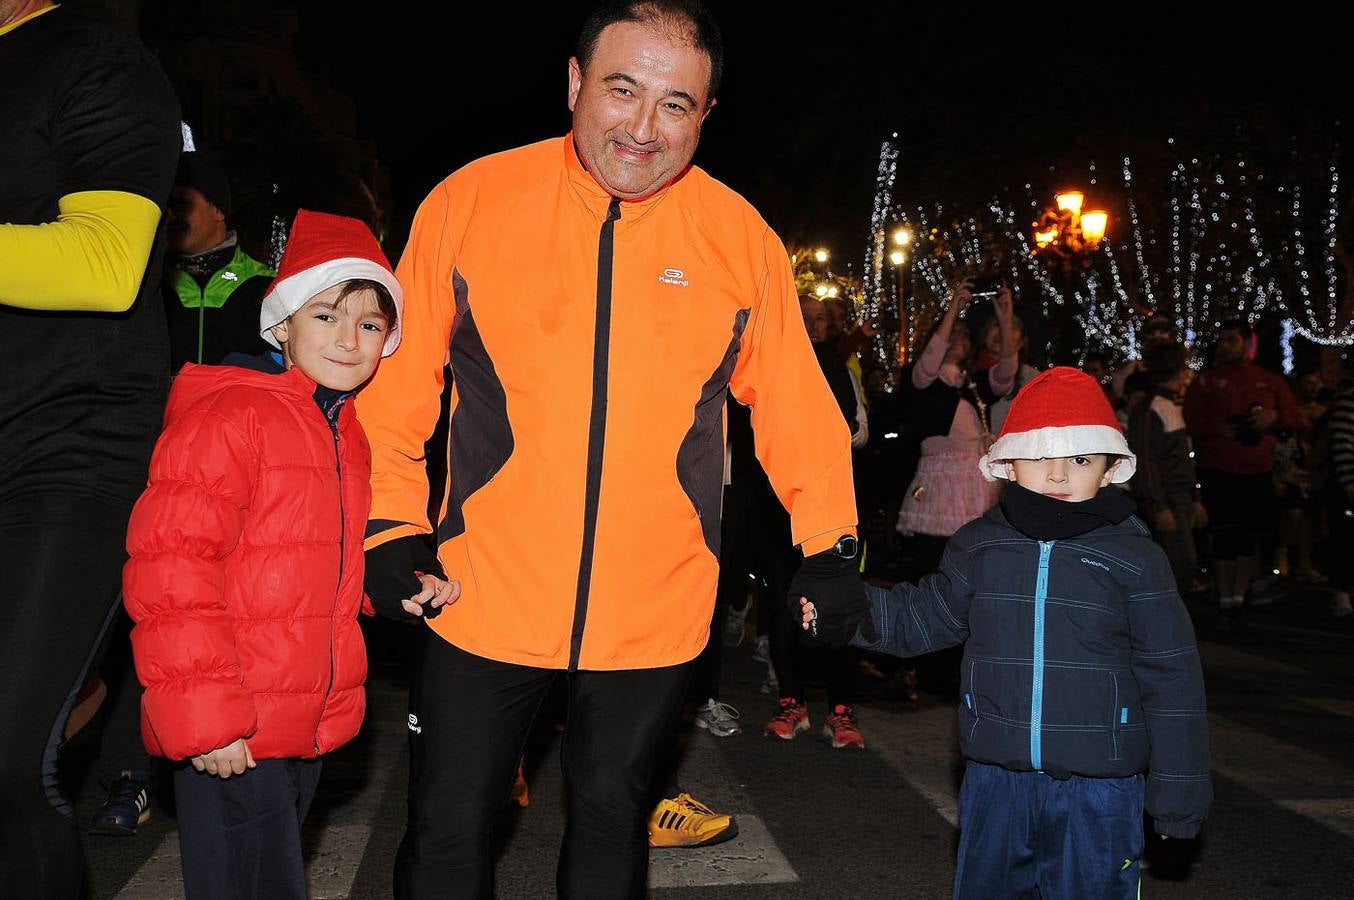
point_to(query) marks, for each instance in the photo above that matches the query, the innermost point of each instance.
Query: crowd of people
(239, 458)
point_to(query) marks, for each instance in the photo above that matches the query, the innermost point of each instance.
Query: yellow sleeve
(91, 259)
(399, 408)
(798, 431)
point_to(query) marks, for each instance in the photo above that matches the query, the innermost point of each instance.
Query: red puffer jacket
(245, 569)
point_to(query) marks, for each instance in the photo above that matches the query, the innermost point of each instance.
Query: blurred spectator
(1164, 484)
(988, 355)
(1340, 499)
(788, 657)
(1155, 330)
(1299, 480)
(948, 410)
(213, 289)
(1232, 412)
(1096, 364)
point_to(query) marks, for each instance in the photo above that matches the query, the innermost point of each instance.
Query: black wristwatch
(847, 547)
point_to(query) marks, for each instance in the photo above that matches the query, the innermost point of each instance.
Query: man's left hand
(832, 584)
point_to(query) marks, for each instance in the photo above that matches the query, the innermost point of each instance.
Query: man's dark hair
(1240, 326)
(1163, 361)
(1095, 356)
(689, 15)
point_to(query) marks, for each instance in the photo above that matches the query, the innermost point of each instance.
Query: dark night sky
(981, 99)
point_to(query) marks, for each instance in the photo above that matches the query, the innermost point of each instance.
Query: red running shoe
(840, 730)
(792, 718)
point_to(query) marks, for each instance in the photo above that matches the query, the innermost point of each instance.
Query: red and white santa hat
(1061, 412)
(324, 250)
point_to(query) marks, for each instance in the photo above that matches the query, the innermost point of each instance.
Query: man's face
(836, 320)
(194, 224)
(1310, 385)
(1231, 347)
(815, 319)
(1159, 334)
(639, 106)
(1070, 478)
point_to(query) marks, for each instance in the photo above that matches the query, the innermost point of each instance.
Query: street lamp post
(1066, 233)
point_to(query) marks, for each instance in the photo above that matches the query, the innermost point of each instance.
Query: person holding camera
(1232, 412)
(950, 413)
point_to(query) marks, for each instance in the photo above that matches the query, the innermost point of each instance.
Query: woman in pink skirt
(950, 415)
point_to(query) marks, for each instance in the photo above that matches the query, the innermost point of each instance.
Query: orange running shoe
(792, 718)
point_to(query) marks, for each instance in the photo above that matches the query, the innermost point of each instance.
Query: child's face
(1070, 478)
(337, 346)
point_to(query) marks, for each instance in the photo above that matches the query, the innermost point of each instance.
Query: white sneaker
(720, 719)
(1340, 606)
(735, 624)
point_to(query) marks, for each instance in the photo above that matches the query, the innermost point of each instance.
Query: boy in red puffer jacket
(246, 565)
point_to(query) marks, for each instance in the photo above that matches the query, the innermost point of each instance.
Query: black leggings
(62, 563)
(469, 719)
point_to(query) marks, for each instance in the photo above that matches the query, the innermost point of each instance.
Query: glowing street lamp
(821, 290)
(820, 255)
(902, 238)
(1065, 231)
(897, 257)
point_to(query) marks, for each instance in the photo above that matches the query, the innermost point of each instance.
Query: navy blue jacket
(1079, 658)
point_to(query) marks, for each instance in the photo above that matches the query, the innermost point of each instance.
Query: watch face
(847, 547)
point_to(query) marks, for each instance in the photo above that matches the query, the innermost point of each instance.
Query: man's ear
(575, 81)
(1109, 472)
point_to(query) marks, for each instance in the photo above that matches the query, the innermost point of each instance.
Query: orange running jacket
(591, 341)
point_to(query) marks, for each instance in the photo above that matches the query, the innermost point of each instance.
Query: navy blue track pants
(1028, 835)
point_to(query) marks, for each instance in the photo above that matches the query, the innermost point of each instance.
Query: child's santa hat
(324, 250)
(1061, 412)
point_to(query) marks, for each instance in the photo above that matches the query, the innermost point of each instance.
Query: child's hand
(810, 621)
(232, 759)
(436, 594)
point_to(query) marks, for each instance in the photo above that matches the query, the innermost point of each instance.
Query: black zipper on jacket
(331, 417)
(596, 426)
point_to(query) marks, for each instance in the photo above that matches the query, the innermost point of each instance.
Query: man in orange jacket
(586, 449)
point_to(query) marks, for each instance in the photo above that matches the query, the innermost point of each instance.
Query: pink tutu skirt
(947, 492)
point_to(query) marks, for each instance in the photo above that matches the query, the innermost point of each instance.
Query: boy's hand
(1165, 521)
(834, 587)
(436, 593)
(233, 759)
(394, 576)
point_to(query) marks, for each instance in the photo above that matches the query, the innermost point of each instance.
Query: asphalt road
(818, 823)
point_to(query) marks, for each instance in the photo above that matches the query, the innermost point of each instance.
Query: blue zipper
(1037, 690)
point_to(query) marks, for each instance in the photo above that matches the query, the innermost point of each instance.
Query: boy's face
(1070, 478)
(337, 346)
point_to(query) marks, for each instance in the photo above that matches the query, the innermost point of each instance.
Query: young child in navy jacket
(1082, 694)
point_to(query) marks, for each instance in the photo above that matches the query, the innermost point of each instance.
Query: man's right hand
(1165, 521)
(395, 576)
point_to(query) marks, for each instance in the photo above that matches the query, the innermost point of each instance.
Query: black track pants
(61, 561)
(469, 718)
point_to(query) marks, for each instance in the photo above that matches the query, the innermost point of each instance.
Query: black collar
(1047, 519)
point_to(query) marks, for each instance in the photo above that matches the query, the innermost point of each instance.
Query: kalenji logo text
(674, 276)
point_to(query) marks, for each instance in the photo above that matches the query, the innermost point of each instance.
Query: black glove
(833, 586)
(390, 577)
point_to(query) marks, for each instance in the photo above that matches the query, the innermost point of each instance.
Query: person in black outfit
(777, 550)
(88, 143)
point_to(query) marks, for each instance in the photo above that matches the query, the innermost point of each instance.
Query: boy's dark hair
(1163, 361)
(385, 304)
(690, 16)
(1240, 326)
